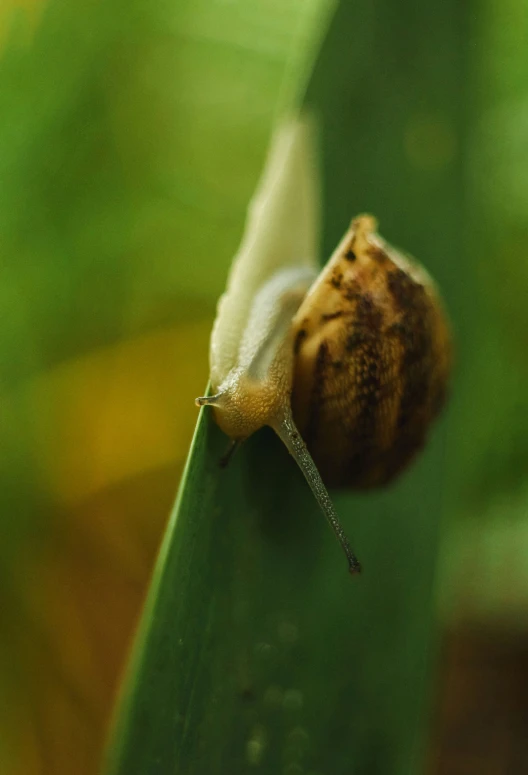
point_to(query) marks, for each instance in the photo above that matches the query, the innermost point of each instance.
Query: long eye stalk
(285, 428)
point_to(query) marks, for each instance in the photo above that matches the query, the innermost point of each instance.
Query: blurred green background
(131, 137)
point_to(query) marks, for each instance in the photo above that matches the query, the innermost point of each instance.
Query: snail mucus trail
(348, 367)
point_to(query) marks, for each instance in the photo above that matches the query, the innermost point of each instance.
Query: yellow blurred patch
(111, 431)
(118, 412)
(31, 10)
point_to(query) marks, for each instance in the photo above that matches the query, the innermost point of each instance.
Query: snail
(348, 366)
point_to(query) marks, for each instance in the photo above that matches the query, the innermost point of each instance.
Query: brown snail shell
(372, 361)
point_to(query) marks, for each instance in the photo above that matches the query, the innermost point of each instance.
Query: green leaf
(256, 649)
(255, 645)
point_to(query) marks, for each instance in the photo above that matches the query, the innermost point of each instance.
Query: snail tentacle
(287, 431)
(208, 400)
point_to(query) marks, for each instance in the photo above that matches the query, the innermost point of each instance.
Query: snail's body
(353, 361)
(258, 387)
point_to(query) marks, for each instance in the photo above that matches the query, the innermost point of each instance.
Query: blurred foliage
(130, 140)
(132, 134)
(486, 549)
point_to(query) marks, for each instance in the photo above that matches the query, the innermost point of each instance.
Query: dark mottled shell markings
(317, 396)
(365, 347)
(372, 361)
